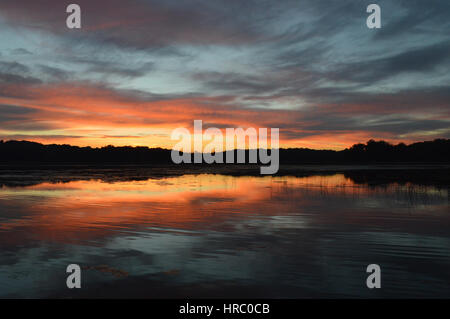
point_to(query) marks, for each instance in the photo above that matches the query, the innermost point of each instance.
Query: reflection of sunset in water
(82, 210)
(279, 236)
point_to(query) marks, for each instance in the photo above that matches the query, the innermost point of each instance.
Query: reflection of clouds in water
(81, 210)
(303, 233)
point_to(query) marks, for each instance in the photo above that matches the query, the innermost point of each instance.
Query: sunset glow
(136, 71)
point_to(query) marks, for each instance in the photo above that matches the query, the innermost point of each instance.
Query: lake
(213, 235)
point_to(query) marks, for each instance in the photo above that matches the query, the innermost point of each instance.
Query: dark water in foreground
(224, 236)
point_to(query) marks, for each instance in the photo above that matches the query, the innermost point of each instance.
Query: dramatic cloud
(138, 69)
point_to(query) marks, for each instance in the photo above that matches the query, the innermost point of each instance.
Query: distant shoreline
(376, 174)
(371, 153)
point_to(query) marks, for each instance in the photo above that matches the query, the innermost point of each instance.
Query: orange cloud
(89, 115)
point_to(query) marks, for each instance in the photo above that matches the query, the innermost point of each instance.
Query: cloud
(138, 69)
(14, 72)
(13, 67)
(124, 23)
(421, 60)
(14, 78)
(21, 51)
(110, 68)
(55, 74)
(414, 17)
(20, 118)
(8, 112)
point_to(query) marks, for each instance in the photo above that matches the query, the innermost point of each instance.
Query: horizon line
(234, 149)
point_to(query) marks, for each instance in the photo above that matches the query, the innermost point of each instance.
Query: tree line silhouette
(436, 151)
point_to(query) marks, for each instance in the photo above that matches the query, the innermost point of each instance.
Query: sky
(138, 69)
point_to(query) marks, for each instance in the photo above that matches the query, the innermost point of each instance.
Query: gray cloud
(422, 60)
(13, 111)
(16, 73)
(21, 51)
(55, 74)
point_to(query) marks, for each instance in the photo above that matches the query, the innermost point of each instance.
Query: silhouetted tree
(371, 152)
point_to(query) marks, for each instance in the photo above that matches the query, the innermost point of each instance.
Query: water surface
(212, 235)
